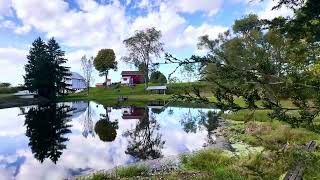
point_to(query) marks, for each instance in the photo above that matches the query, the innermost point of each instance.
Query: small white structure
(77, 82)
(159, 89)
(25, 94)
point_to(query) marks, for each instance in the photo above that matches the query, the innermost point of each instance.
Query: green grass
(120, 173)
(217, 163)
(136, 94)
(131, 171)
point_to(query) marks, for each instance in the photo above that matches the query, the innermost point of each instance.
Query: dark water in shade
(66, 139)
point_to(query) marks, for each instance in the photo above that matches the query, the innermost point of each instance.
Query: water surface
(61, 140)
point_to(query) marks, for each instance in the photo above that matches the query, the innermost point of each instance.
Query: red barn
(133, 112)
(132, 77)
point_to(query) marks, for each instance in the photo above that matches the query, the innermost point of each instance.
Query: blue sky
(82, 27)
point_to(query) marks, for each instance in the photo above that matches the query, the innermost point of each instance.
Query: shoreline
(10, 101)
(168, 163)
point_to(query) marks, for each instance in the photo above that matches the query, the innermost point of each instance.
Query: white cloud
(22, 29)
(264, 9)
(167, 20)
(208, 6)
(12, 62)
(5, 8)
(191, 34)
(97, 26)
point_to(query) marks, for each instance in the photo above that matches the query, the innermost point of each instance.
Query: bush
(158, 77)
(8, 90)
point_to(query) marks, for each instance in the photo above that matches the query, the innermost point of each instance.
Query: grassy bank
(137, 93)
(264, 149)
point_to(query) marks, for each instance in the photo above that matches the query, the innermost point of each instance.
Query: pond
(66, 139)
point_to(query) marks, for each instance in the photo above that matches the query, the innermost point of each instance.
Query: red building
(133, 112)
(132, 77)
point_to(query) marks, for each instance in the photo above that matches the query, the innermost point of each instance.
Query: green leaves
(105, 61)
(45, 73)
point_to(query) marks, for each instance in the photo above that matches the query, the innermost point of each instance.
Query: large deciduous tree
(142, 47)
(45, 73)
(87, 69)
(105, 61)
(260, 65)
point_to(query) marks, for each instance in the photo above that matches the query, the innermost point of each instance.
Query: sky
(83, 27)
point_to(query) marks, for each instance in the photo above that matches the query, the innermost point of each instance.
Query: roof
(156, 88)
(75, 75)
(126, 73)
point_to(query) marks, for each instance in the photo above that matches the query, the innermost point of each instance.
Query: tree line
(47, 75)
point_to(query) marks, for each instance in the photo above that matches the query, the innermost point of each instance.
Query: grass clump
(120, 173)
(131, 171)
(95, 176)
(215, 162)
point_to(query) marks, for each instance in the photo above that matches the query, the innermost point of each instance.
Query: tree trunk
(146, 79)
(106, 79)
(88, 87)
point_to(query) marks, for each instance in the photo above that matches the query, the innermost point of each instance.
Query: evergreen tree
(45, 73)
(60, 73)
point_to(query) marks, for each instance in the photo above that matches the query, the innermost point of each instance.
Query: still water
(67, 139)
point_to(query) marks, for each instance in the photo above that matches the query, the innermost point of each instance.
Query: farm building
(77, 82)
(132, 77)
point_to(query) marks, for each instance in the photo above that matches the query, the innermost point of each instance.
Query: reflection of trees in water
(87, 122)
(46, 127)
(105, 129)
(145, 141)
(191, 123)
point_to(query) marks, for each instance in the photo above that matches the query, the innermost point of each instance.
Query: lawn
(111, 94)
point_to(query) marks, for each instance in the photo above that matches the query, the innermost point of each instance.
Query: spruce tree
(45, 73)
(60, 73)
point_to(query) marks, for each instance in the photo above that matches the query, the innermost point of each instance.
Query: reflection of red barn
(132, 77)
(132, 113)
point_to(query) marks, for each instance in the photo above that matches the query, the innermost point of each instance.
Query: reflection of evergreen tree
(191, 123)
(105, 129)
(144, 141)
(46, 127)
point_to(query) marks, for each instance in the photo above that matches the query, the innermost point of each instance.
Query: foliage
(144, 141)
(8, 90)
(261, 66)
(87, 69)
(305, 23)
(158, 77)
(106, 130)
(45, 73)
(142, 47)
(105, 61)
(5, 85)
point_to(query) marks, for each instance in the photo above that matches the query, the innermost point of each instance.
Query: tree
(106, 129)
(45, 73)
(145, 140)
(260, 65)
(87, 69)
(158, 77)
(5, 85)
(46, 128)
(142, 46)
(304, 24)
(105, 61)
